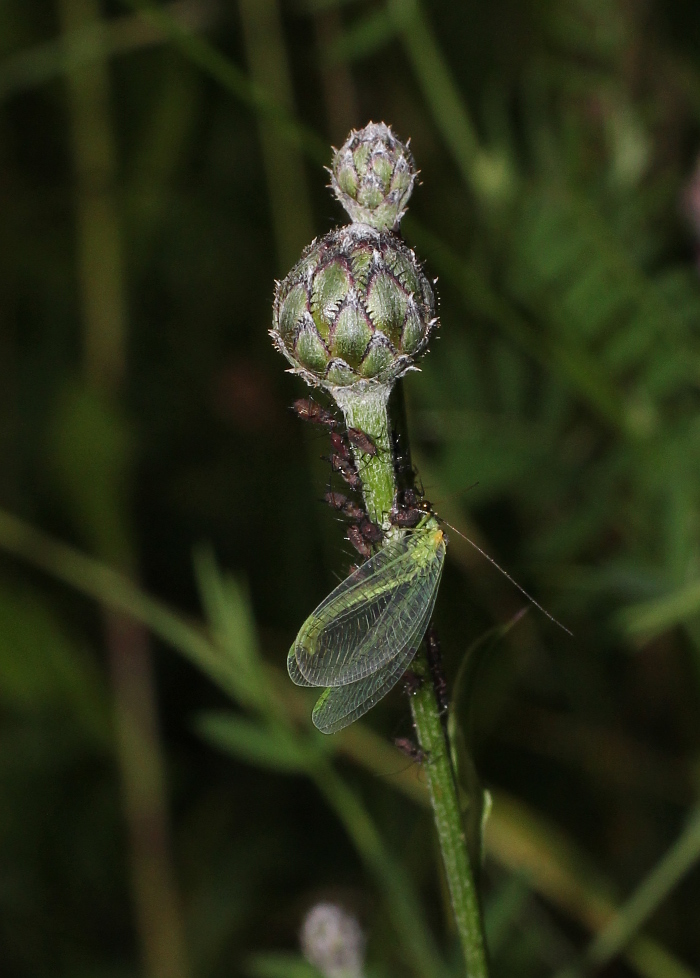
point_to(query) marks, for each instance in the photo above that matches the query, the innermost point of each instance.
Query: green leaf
(651, 617)
(367, 35)
(228, 612)
(251, 741)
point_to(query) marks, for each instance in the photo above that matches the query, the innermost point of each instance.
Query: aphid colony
(362, 533)
(362, 638)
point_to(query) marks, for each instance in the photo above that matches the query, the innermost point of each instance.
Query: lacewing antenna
(511, 579)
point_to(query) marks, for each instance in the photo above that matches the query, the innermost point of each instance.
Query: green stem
(367, 410)
(448, 821)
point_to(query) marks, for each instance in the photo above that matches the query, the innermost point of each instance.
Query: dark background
(149, 196)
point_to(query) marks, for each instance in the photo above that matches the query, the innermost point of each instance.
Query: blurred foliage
(555, 421)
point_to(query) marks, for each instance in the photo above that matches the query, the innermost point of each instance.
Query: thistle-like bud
(373, 175)
(355, 309)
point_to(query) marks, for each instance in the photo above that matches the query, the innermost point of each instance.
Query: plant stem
(448, 821)
(367, 410)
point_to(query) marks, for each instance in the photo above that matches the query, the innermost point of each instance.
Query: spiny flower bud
(373, 175)
(356, 308)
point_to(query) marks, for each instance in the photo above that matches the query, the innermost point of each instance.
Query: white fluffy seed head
(332, 940)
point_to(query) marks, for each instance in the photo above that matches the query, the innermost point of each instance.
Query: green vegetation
(168, 808)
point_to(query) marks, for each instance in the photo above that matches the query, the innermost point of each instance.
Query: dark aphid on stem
(358, 439)
(434, 656)
(411, 682)
(408, 509)
(358, 541)
(370, 531)
(308, 410)
(340, 446)
(336, 500)
(353, 511)
(403, 468)
(407, 747)
(347, 470)
(341, 503)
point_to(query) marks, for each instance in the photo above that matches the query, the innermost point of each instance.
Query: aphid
(336, 500)
(353, 511)
(411, 682)
(406, 518)
(401, 461)
(358, 541)
(308, 410)
(407, 747)
(410, 511)
(362, 638)
(347, 470)
(370, 531)
(358, 439)
(340, 446)
(434, 656)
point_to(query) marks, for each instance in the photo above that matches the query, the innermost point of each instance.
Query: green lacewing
(364, 635)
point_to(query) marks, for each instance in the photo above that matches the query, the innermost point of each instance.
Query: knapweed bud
(333, 942)
(355, 309)
(373, 175)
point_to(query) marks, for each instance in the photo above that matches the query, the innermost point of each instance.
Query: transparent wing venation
(339, 706)
(364, 624)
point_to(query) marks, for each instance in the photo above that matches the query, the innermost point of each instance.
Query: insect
(358, 439)
(411, 683)
(370, 531)
(336, 500)
(308, 410)
(340, 446)
(434, 655)
(347, 470)
(361, 639)
(408, 509)
(407, 747)
(353, 511)
(358, 541)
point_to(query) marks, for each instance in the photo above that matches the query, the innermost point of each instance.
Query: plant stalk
(367, 410)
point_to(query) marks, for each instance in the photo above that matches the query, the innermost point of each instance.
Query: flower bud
(373, 175)
(355, 309)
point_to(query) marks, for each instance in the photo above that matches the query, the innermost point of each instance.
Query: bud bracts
(372, 176)
(355, 308)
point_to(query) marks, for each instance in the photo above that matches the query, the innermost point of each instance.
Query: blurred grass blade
(668, 872)
(487, 174)
(249, 740)
(230, 77)
(44, 62)
(113, 590)
(649, 618)
(364, 37)
(266, 52)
